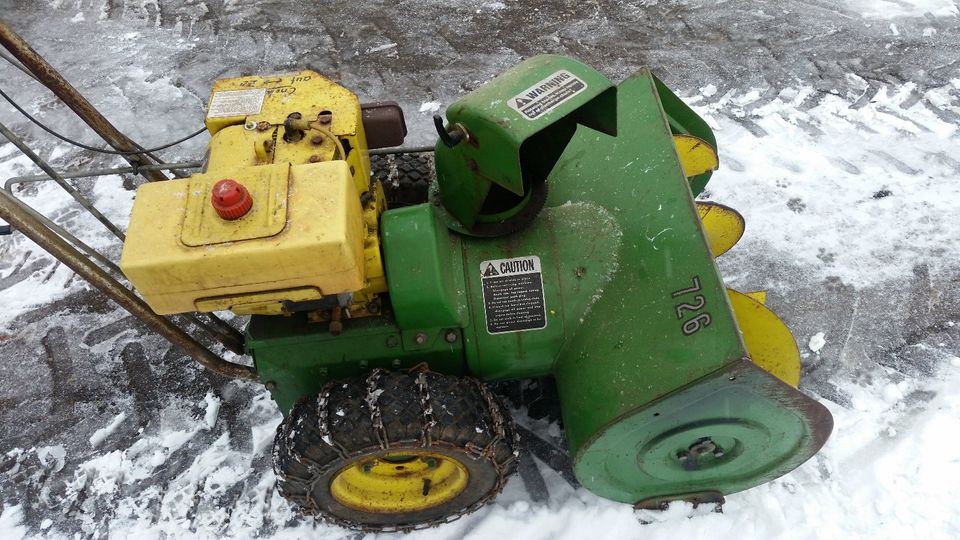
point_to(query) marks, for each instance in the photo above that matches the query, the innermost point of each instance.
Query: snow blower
(559, 238)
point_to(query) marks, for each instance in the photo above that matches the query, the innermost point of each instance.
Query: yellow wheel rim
(407, 481)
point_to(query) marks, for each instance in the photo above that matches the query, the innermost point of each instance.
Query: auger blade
(768, 340)
(696, 155)
(723, 226)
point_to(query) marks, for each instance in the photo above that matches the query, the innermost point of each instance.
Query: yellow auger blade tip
(723, 226)
(769, 342)
(696, 155)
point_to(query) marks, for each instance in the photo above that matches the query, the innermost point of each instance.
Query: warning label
(547, 94)
(513, 294)
(236, 103)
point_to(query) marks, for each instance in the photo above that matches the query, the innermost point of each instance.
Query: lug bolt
(420, 338)
(450, 336)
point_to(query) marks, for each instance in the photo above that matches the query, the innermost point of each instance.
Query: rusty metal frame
(47, 75)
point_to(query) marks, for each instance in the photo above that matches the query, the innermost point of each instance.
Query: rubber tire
(406, 178)
(324, 434)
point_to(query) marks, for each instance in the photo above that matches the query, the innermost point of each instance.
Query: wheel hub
(398, 482)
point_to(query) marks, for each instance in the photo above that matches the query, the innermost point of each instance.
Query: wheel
(396, 450)
(406, 178)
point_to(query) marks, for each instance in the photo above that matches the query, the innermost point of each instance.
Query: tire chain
(503, 427)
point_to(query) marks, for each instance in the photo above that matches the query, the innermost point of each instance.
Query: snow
(817, 342)
(212, 410)
(10, 523)
(889, 9)
(101, 434)
(429, 107)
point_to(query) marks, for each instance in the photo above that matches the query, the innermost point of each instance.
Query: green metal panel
(506, 144)
(763, 428)
(578, 246)
(648, 373)
(295, 358)
(633, 349)
(424, 269)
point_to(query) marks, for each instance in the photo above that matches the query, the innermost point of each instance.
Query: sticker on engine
(513, 294)
(236, 103)
(547, 94)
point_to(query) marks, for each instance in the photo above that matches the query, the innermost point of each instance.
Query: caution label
(547, 94)
(236, 103)
(513, 294)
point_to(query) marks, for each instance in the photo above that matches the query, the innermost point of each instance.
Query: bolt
(392, 341)
(295, 116)
(420, 338)
(250, 126)
(703, 446)
(314, 159)
(718, 452)
(395, 363)
(367, 467)
(317, 139)
(325, 117)
(270, 385)
(373, 307)
(683, 456)
(450, 336)
(580, 271)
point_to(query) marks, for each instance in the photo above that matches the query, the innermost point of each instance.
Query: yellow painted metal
(321, 246)
(260, 303)
(265, 102)
(268, 186)
(696, 155)
(768, 340)
(759, 296)
(399, 482)
(296, 142)
(723, 226)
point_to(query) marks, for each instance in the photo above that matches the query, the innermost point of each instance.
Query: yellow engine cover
(302, 239)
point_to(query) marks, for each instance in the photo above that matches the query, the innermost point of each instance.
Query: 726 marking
(699, 321)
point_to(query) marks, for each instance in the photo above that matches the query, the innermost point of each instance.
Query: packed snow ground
(841, 155)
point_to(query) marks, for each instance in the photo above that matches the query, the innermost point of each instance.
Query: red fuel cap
(230, 199)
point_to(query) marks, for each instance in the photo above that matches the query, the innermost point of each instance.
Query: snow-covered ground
(838, 131)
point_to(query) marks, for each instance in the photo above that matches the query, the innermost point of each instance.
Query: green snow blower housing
(560, 238)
